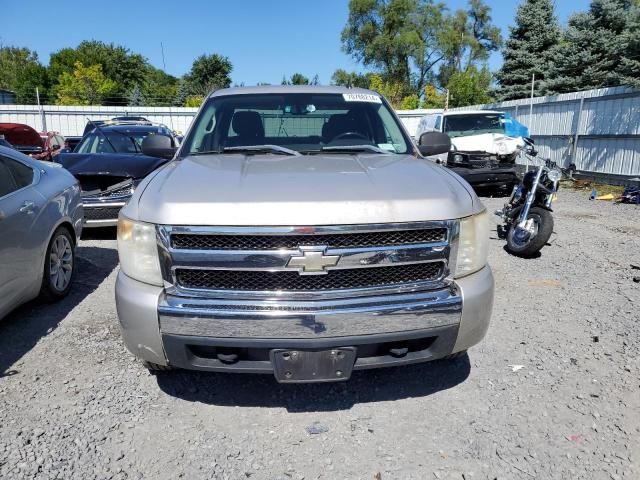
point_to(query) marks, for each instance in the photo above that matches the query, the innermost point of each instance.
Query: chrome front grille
(306, 262)
(293, 281)
(332, 240)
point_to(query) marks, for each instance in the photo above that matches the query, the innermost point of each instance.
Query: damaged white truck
(484, 145)
(299, 231)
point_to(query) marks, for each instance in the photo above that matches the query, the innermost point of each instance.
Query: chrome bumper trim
(313, 319)
(109, 222)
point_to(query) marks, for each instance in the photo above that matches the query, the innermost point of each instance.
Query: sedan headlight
(138, 251)
(473, 244)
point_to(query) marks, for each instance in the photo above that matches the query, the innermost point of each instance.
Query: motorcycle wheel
(525, 244)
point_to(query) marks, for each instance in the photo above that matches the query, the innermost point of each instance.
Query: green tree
(159, 88)
(630, 64)
(431, 24)
(529, 49)
(182, 93)
(410, 102)
(589, 54)
(350, 79)
(469, 87)
(85, 86)
(406, 41)
(403, 40)
(433, 98)
(119, 64)
(136, 97)
(469, 39)
(393, 91)
(208, 72)
(193, 101)
(21, 72)
(296, 79)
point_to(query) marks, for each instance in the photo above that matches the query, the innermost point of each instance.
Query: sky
(264, 39)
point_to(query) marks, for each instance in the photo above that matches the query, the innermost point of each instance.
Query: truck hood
(276, 190)
(494, 143)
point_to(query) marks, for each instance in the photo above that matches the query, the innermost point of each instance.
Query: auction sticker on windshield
(361, 97)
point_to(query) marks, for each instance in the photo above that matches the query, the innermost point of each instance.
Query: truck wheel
(154, 367)
(525, 244)
(59, 266)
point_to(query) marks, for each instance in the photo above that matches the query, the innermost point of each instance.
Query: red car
(43, 146)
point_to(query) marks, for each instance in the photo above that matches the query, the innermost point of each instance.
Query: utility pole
(164, 67)
(446, 105)
(533, 83)
(42, 116)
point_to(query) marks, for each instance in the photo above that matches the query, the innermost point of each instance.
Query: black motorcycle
(527, 220)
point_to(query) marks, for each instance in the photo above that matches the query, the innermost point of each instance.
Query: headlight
(138, 251)
(473, 244)
(554, 175)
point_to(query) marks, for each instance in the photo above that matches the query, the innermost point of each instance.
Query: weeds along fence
(598, 130)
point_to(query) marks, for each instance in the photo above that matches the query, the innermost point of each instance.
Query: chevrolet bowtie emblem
(312, 260)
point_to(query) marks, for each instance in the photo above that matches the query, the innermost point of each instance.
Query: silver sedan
(40, 221)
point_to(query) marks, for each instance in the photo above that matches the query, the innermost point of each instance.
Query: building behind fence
(598, 130)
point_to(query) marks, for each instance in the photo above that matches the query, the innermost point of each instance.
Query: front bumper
(101, 214)
(201, 333)
(488, 177)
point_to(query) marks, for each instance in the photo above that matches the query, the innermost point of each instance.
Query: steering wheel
(349, 135)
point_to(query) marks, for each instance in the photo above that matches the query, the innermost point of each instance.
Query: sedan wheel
(59, 266)
(61, 263)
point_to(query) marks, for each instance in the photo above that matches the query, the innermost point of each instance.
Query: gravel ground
(75, 405)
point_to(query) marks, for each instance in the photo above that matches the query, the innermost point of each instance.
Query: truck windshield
(304, 123)
(473, 124)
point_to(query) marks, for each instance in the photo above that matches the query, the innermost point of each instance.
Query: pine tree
(136, 97)
(630, 65)
(528, 49)
(182, 93)
(589, 55)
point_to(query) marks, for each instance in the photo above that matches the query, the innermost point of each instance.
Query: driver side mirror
(159, 146)
(434, 143)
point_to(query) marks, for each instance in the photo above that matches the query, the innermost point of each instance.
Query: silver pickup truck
(298, 231)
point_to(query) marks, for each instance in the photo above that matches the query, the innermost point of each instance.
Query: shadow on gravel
(24, 327)
(245, 390)
(538, 254)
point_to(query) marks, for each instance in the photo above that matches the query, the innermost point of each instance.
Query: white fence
(70, 121)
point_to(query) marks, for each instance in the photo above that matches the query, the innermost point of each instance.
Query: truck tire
(528, 247)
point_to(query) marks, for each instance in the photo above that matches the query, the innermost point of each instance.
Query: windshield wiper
(262, 148)
(354, 148)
